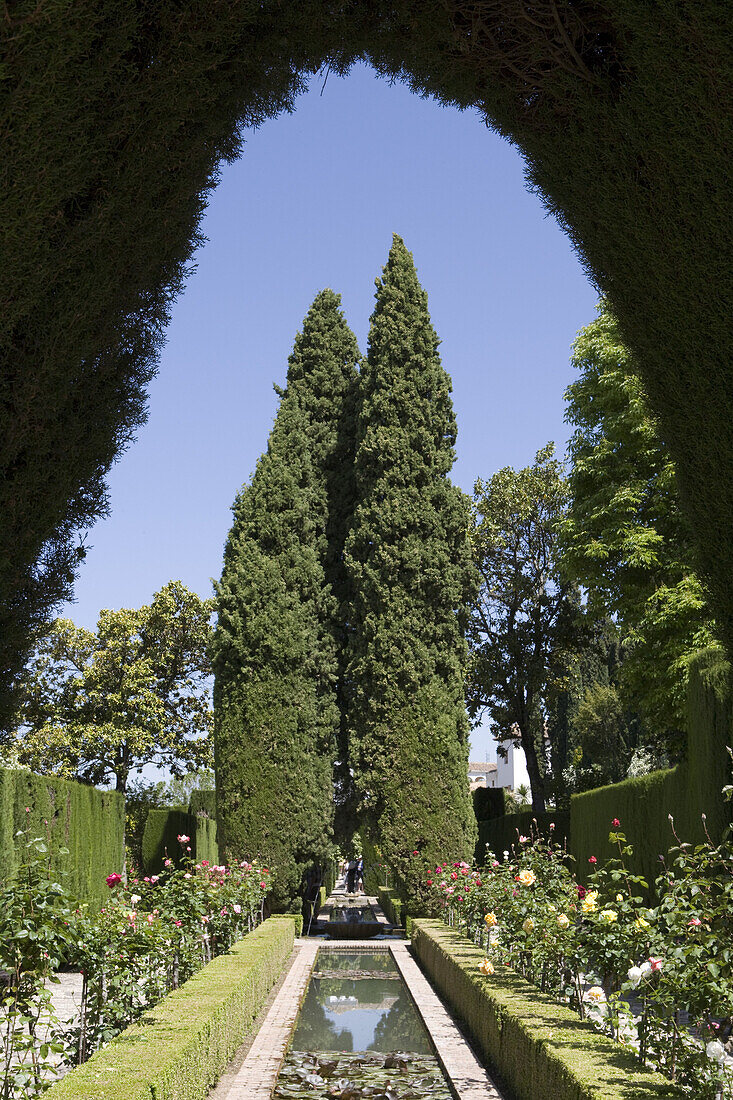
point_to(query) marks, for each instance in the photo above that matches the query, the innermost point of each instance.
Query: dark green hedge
(693, 788)
(488, 802)
(540, 1049)
(160, 837)
(180, 1049)
(204, 836)
(392, 905)
(87, 821)
(501, 833)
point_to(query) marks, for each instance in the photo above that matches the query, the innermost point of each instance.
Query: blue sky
(313, 202)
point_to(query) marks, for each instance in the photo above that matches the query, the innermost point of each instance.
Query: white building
(511, 766)
(481, 773)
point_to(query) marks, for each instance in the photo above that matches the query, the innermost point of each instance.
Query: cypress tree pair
(341, 605)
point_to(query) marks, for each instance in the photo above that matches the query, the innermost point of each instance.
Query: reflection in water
(363, 1014)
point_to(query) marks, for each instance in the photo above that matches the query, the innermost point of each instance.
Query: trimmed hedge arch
(116, 115)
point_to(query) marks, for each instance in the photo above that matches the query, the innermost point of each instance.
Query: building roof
(481, 766)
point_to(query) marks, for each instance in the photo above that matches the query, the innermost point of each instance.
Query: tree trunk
(536, 781)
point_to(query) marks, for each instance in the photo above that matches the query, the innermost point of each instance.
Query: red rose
(581, 892)
(113, 879)
(615, 823)
(592, 859)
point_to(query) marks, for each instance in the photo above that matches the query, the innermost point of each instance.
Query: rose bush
(657, 978)
(153, 935)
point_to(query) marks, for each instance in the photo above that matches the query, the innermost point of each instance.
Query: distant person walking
(351, 876)
(360, 875)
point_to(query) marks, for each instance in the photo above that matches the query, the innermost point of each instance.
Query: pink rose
(592, 859)
(656, 964)
(113, 879)
(694, 922)
(615, 823)
(183, 839)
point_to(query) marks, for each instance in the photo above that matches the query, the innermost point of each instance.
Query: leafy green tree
(281, 603)
(625, 538)
(100, 706)
(408, 558)
(524, 610)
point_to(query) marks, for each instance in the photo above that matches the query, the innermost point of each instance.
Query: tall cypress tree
(409, 560)
(280, 605)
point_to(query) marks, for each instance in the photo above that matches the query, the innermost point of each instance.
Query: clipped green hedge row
(88, 822)
(160, 837)
(539, 1048)
(179, 1049)
(488, 802)
(392, 905)
(693, 788)
(501, 833)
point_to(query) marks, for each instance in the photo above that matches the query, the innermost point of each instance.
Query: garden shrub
(488, 802)
(160, 836)
(204, 836)
(89, 823)
(180, 1048)
(500, 833)
(203, 802)
(688, 791)
(540, 1048)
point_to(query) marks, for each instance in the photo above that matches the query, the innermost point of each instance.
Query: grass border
(179, 1049)
(538, 1047)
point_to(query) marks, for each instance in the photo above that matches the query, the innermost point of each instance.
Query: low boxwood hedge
(539, 1048)
(179, 1049)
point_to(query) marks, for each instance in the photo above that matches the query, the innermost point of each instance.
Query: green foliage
(34, 937)
(203, 802)
(184, 1044)
(281, 609)
(540, 1048)
(81, 827)
(524, 612)
(628, 94)
(625, 537)
(488, 802)
(99, 706)
(501, 834)
(205, 839)
(408, 559)
(160, 837)
(686, 792)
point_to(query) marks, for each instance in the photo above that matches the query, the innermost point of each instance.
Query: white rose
(646, 968)
(134, 899)
(635, 974)
(715, 1051)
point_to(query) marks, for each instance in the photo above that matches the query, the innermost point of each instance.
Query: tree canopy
(100, 706)
(408, 560)
(625, 537)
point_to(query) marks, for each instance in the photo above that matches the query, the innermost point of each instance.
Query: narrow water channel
(358, 1034)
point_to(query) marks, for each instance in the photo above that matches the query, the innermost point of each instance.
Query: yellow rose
(552, 908)
(491, 919)
(640, 924)
(563, 920)
(487, 967)
(619, 898)
(528, 925)
(526, 877)
(589, 904)
(608, 916)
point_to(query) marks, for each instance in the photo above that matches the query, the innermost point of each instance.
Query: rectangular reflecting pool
(359, 1035)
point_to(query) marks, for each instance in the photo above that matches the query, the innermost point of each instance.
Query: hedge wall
(87, 821)
(205, 845)
(180, 1049)
(488, 802)
(203, 802)
(539, 1048)
(691, 789)
(160, 837)
(500, 833)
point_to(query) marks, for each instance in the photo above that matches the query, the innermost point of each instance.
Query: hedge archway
(116, 115)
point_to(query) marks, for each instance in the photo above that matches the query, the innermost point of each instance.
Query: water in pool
(359, 1035)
